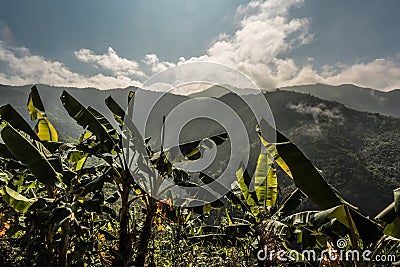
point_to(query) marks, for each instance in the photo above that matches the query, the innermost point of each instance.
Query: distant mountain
(358, 152)
(214, 91)
(217, 91)
(363, 99)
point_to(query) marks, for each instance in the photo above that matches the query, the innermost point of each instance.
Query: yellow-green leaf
(272, 187)
(46, 131)
(260, 179)
(17, 201)
(244, 187)
(35, 105)
(304, 174)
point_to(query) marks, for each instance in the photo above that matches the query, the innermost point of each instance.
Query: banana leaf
(10, 115)
(272, 187)
(192, 150)
(46, 131)
(368, 230)
(260, 180)
(5, 153)
(389, 218)
(30, 156)
(17, 201)
(105, 122)
(232, 195)
(87, 120)
(35, 105)
(116, 110)
(304, 174)
(290, 203)
(244, 181)
(265, 181)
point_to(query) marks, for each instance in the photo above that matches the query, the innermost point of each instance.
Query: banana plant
(261, 193)
(158, 165)
(303, 230)
(298, 167)
(52, 191)
(339, 219)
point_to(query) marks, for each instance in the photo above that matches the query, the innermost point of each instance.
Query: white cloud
(285, 69)
(26, 68)
(110, 61)
(265, 32)
(320, 113)
(155, 65)
(265, 35)
(259, 48)
(382, 74)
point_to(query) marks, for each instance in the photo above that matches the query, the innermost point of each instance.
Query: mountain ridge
(359, 98)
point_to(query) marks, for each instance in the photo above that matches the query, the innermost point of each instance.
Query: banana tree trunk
(125, 241)
(64, 245)
(146, 233)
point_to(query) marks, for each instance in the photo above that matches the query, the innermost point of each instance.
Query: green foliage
(11, 116)
(30, 156)
(86, 118)
(15, 200)
(304, 174)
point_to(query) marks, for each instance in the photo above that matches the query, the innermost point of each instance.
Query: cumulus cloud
(382, 74)
(155, 64)
(259, 48)
(25, 68)
(110, 61)
(266, 33)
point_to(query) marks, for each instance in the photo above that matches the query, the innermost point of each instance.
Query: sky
(115, 44)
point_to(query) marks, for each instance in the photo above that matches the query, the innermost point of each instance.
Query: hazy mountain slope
(363, 99)
(358, 152)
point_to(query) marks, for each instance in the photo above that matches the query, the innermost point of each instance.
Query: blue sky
(108, 44)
